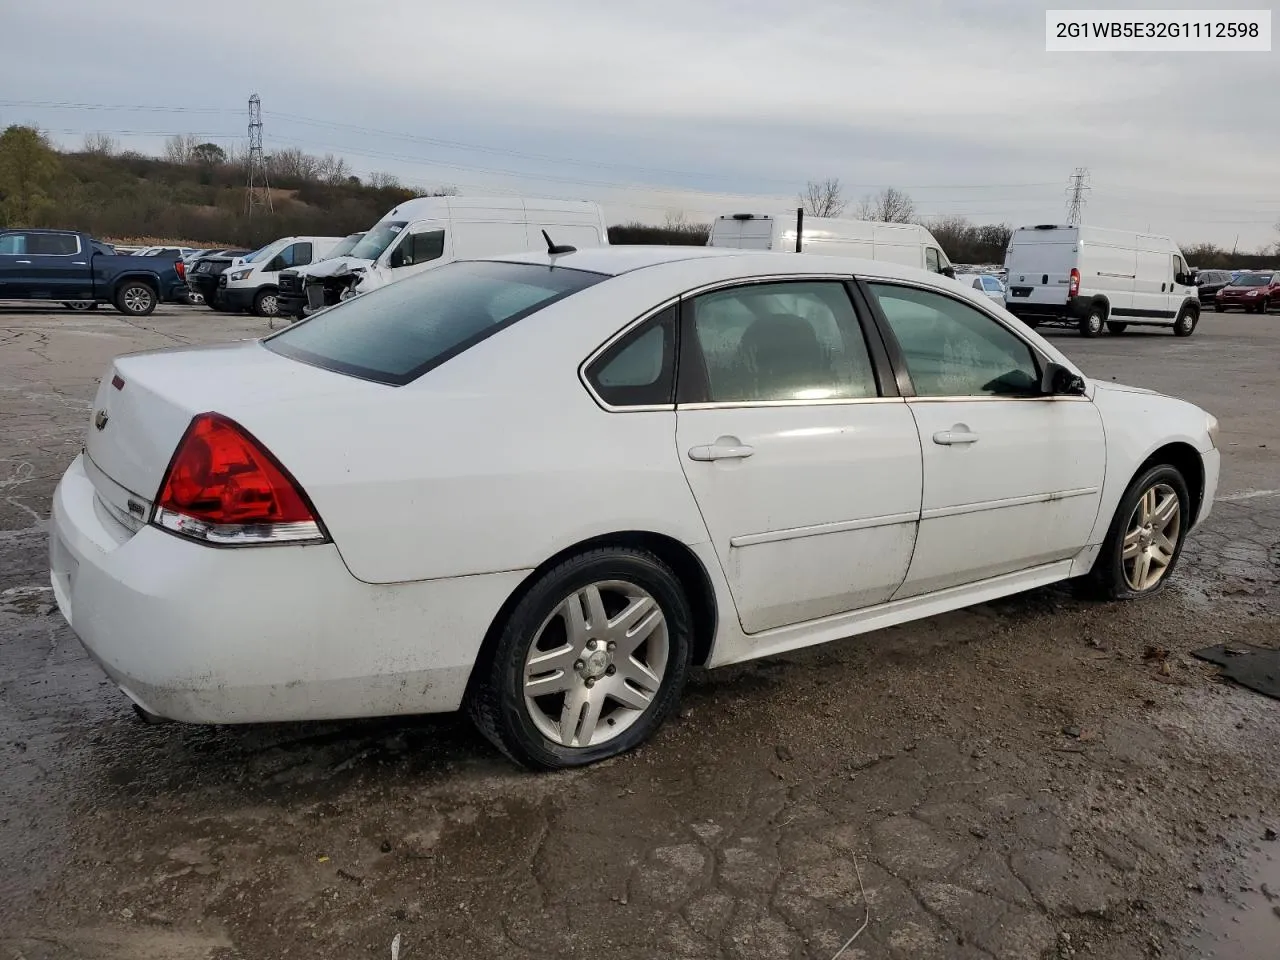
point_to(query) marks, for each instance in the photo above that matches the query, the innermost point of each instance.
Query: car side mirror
(1058, 381)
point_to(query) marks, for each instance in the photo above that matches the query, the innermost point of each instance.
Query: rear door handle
(957, 435)
(726, 448)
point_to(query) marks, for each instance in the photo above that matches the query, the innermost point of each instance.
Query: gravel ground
(1024, 779)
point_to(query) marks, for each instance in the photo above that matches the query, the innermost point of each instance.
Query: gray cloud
(704, 107)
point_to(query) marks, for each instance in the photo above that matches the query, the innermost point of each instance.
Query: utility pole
(258, 190)
(1076, 190)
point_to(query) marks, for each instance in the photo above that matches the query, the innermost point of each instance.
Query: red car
(1252, 292)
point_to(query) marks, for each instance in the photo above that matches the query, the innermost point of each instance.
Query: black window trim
(688, 350)
(899, 360)
(633, 327)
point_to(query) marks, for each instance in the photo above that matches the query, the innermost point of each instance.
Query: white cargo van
(1088, 277)
(426, 232)
(251, 282)
(906, 243)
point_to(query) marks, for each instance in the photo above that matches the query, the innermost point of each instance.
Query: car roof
(616, 260)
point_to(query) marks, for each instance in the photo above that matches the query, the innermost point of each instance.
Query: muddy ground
(1018, 780)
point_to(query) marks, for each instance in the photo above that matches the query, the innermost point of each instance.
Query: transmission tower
(257, 191)
(1076, 190)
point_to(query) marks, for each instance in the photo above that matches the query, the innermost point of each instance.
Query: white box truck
(1089, 277)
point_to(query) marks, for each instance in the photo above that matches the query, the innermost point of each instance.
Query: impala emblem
(100, 419)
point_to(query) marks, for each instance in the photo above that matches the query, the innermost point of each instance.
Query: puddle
(1244, 922)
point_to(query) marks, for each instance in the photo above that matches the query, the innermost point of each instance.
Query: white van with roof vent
(906, 243)
(1088, 278)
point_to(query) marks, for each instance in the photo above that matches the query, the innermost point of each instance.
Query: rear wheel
(1091, 325)
(80, 305)
(265, 304)
(588, 663)
(1146, 536)
(1219, 308)
(1114, 326)
(135, 298)
(1185, 325)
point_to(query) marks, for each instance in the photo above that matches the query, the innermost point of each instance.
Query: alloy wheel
(1151, 537)
(596, 664)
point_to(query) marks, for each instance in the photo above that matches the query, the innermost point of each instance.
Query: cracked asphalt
(1040, 777)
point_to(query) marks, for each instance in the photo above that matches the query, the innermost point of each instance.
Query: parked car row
(1252, 292)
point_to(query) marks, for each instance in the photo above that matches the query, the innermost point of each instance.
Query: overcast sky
(700, 106)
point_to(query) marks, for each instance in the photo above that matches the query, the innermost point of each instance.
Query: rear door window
(397, 333)
(12, 244)
(53, 244)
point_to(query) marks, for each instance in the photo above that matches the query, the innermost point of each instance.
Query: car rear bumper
(209, 635)
(1073, 310)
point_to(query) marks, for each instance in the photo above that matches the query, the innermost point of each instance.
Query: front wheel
(589, 662)
(1185, 325)
(135, 298)
(265, 304)
(1091, 325)
(1114, 326)
(1146, 536)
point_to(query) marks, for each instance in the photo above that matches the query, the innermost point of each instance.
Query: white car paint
(444, 495)
(984, 283)
(909, 244)
(261, 270)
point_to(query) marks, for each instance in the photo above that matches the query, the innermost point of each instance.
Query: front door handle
(27, 262)
(957, 435)
(726, 448)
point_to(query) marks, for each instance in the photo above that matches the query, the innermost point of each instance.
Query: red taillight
(1074, 289)
(223, 486)
(181, 268)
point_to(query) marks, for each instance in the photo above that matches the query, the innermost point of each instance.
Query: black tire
(136, 298)
(265, 303)
(1219, 308)
(1031, 322)
(496, 700)
(1185, 325)
(1107, 579)
(1116, 327)
(1092, 325)
(80, 306)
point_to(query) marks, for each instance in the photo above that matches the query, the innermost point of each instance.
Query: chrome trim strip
(990, 397)
(843, 526)
(764, 278)
(730, 404)
(105, 486)
(982, 505)
(123, 517)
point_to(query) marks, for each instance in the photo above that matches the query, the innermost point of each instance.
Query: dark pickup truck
(73, 268)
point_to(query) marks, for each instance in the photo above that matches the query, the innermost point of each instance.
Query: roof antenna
(553, 248)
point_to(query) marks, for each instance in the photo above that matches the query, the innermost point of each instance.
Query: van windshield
(378, 239)
(256, 255)
(345, 245)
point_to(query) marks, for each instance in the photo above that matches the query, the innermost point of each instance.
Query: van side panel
(1153, 284)
(1108, 268)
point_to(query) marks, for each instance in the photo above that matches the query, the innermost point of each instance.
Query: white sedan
(542, 487)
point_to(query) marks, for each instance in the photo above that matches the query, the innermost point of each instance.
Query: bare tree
(1277, 225)
(676, 220)
(381, 180)
(292, 164)
(434, 191)
(101, 144)
(178, 148)
(890, 205)
(822, 198)
(333, 169)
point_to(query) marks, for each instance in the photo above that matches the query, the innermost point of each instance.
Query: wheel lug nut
(591, 681)
(591, 644)
(612, 645)
(612, 670)
(578, 665)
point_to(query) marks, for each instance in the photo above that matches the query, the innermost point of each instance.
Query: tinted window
(12, 243)
(52, 244)
(399, 332)
(777, 341)
(294, 255)
(1178, 266)
(954, 350)
(638, 370)
(419, 248)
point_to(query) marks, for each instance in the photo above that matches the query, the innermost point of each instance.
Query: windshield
(397, 333)
(378, 239)
(257, 254)
(1254, 280)
(345, 245)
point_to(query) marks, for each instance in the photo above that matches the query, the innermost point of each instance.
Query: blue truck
(75, 270)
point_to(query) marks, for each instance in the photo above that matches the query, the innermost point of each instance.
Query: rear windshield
(397, 333)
